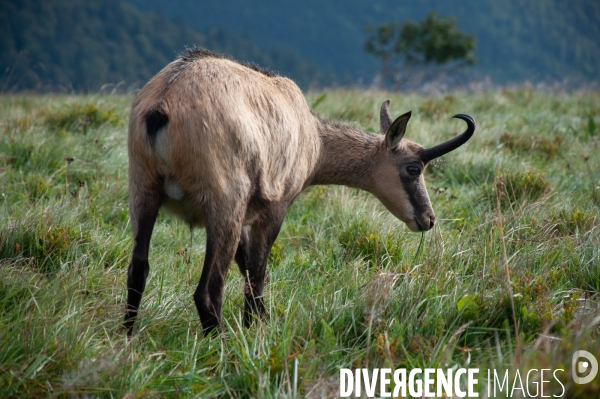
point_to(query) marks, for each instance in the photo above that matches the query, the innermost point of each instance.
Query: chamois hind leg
(264, 233)
(223, 230)
(143, 210)
(242, 254)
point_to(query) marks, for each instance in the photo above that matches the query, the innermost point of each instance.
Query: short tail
(155, 120)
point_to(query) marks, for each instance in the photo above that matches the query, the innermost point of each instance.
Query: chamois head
(404, 160)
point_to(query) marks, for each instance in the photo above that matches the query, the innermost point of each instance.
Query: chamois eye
(413, 170)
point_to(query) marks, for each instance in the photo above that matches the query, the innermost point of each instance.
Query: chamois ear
(397, 129)
(385, 119)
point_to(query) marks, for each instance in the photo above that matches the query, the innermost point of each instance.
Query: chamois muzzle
(450, 145)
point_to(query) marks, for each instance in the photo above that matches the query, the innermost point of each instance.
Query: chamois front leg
(223, 229)
(143, 210)
(264, 233)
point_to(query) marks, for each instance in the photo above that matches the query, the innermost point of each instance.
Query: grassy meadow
(507, 280)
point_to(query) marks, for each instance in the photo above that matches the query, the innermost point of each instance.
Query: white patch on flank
(173, 190)
(163, 148)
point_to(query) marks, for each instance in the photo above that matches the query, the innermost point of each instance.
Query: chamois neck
(347, 157)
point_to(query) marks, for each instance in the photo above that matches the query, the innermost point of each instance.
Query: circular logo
(579, 367)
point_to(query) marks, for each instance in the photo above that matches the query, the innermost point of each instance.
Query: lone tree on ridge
(419, 52)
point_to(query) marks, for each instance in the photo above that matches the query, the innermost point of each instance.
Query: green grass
(347, 286)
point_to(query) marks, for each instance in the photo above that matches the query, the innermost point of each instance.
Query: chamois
(228, 146)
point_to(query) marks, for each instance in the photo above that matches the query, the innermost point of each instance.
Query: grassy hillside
(518, 239)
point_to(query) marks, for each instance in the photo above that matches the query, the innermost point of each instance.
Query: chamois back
(217, 126)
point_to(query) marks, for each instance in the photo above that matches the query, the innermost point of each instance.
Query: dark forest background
(82, 45)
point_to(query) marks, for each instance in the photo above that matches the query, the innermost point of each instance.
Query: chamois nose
(424, 223)
(431, 221)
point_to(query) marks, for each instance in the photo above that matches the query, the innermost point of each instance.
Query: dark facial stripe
(417, 195)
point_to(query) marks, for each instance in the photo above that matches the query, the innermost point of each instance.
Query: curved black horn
(451, 145)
